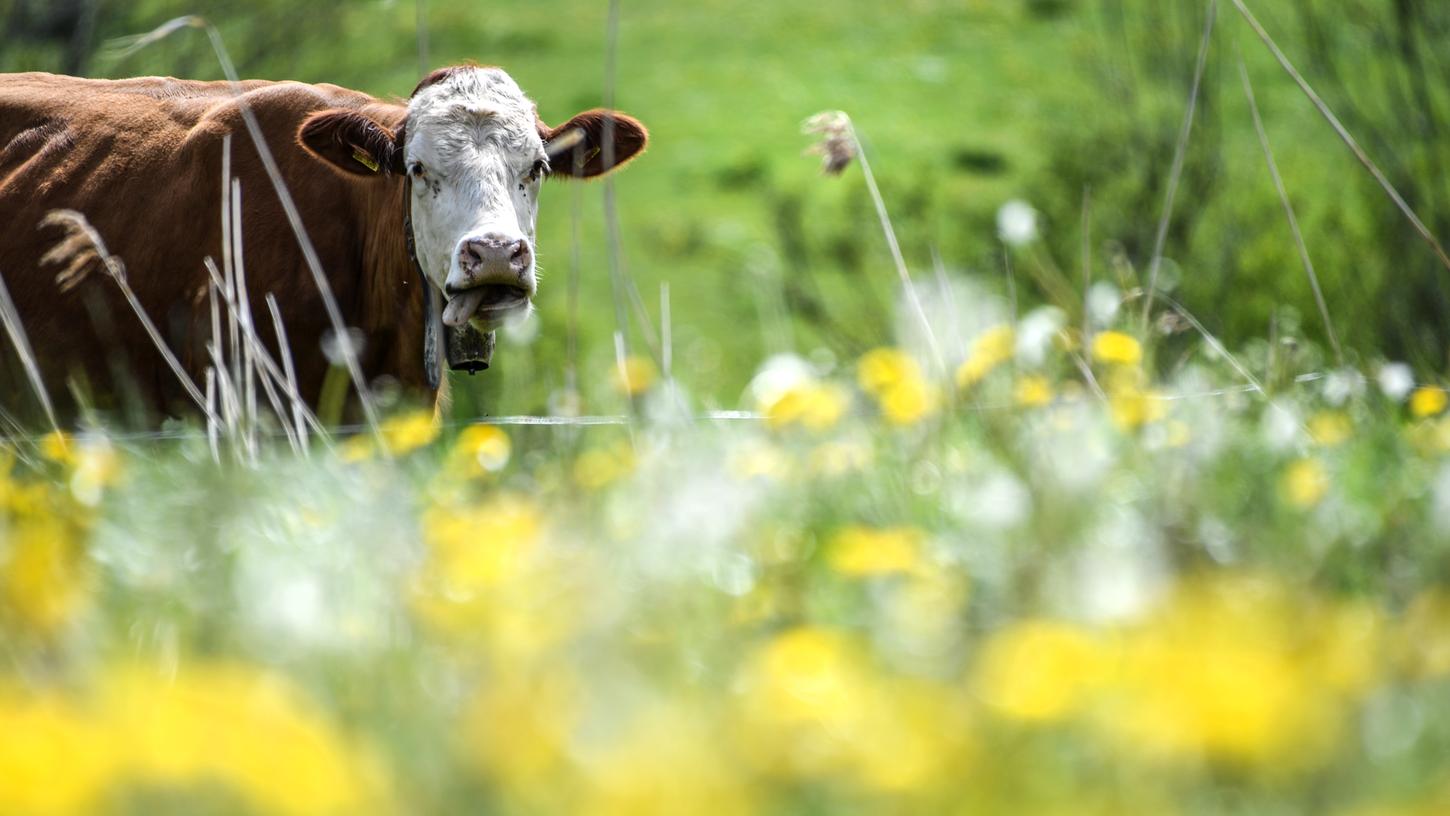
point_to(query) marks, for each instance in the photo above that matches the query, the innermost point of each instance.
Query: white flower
(1103, 302)
(1017, 223)
(1396, 380)
(1343, 384)
(1035, 332)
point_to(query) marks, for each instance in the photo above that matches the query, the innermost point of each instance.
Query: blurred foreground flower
(900, 387)
(811, 405)
(989, 350)
(1017, 223)
(209, 724)
(1304, 483)
(1428, 400)
(860, 551)
(479, 450)
(634, 375)
(1117, 348)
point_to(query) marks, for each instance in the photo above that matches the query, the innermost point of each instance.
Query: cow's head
(476, 152)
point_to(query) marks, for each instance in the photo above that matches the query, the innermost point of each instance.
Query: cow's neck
(391, 295)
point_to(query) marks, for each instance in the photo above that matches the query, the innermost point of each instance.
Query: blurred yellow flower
(1039, 671)
(1033, 391)
(883, 368)
(669, 760)
(1222, 671)
(600, 467)
(407, 432)
(244, 727)
(1132, 408)
(45, 574)
(472, 548)
(479, 450)
(993, 347)
(910, 401)
(208, 724)
(1330, 428)
(1422, 645)
(518, 726)
(58, 446)
(760, 460)
(1304, 483)
(356, 448)
(634, 375)
(54, 758)
(860, 551)
(811, 405)
(1117, 348)
(1428, 400)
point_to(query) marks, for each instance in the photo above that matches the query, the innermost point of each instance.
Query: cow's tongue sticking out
(493, 298)
(462, 307)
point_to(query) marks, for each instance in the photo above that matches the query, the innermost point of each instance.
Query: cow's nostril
(521, 250)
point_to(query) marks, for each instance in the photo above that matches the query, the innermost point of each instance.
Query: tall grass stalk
(1343, 132)
(1176, 174)
(10, 316)
(1289, 213)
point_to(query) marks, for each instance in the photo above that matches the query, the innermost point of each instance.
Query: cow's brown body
(142, 160)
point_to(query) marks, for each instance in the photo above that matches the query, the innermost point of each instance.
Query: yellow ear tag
(364, 159)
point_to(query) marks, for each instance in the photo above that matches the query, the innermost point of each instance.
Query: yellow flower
(1330, 428)
(1133, 408)
(994, 347)
(883, 368)
(53, 757)
(910, 401)
(45, 576)
(1304, 483)
(634, 375)
(1117, 348)
(667, 761)
(517, 727)
(480, 450)
(1033, 391)
(245, 728)
(1423, 642)
(813, 707)
(813, 406)
(1428, 400)
(472, 548)
(356, 448)
(408, 432)
(597, 468)
(1039, 671)
(859, 551)
(206, 724)
(58, 446)
(1236, 669)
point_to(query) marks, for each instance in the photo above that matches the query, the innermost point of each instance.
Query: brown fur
(141, 159)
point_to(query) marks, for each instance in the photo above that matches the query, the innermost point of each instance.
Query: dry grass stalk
(82, 249)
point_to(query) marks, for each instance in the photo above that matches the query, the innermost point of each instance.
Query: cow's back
(142, 160)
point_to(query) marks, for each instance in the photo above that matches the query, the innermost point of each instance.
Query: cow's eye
(417, 170)
(538, 170)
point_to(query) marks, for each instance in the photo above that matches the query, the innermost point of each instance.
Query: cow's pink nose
(495, 250)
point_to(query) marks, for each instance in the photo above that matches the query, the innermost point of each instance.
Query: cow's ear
(593, 143)
(352, 143)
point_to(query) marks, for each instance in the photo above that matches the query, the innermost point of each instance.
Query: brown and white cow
(142, 159)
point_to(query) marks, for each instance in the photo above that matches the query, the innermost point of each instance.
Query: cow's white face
(475, 151)
(476, 161)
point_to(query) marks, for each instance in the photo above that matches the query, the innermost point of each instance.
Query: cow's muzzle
(492, 280)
